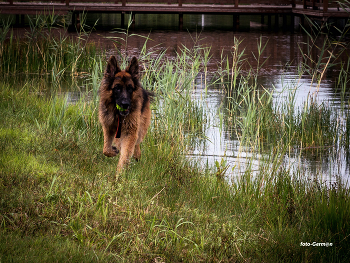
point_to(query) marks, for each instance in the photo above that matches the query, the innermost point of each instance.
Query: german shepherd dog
(124, 111)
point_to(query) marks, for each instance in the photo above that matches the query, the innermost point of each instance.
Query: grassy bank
(58, 194)
(60, 201)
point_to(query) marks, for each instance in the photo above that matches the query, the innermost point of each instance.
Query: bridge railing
(313, 4)
(235, 3)
(318, 4)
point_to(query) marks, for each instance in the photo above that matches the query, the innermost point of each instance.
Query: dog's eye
(130, 87)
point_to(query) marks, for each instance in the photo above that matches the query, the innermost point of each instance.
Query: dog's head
(122, 83)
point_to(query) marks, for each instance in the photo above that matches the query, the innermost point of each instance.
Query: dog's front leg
(126, 151)
(108, 136)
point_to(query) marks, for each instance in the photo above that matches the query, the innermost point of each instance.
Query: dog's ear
(112, 67)
(133, 68)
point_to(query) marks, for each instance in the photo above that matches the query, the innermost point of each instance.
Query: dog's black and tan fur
(132, 119)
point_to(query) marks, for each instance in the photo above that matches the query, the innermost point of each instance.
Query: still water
(283, 57)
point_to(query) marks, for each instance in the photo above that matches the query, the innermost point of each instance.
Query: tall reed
(262, 117)
(45, 48)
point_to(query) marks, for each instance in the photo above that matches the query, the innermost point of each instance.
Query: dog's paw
(110, 153)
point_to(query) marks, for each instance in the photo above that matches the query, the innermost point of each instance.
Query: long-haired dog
(124, 111)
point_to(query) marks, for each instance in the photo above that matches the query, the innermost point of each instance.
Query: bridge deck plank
(62, 8)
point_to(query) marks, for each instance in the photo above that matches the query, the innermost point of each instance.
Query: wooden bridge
(321, 9)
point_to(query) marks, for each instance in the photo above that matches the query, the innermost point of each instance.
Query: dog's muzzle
(123, 109)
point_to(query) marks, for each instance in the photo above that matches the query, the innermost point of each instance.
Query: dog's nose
(125, 104)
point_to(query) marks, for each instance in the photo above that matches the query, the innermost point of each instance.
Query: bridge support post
(276, 21)
(325, 6)
(75, 22)
(235, 22)
(181, 21)
(302, 21)
(122, 19)
(19, 20)
(284, 22)
(133, 21)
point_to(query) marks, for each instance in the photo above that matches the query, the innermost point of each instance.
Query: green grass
(58, 192)
(46, 249)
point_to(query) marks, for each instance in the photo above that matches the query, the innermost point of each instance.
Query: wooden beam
(122, 19)
(284, 22)
(181, 21)
(133, 19)
(235, 22)
(325, 5)
(228, 7)
(276, 21)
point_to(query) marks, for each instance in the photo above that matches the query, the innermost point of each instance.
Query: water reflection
(192, 22)
(325, 164)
